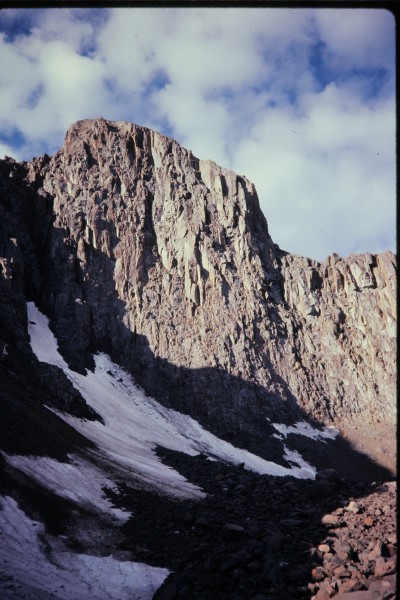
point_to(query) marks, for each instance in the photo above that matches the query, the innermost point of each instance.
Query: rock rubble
(358, 556)
(260, 537)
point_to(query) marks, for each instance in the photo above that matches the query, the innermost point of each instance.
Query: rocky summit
(271, 378)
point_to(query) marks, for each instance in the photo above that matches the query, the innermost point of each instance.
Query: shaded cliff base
(377, 440)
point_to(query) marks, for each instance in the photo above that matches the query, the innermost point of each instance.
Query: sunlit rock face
(344, 313)
(165, 262)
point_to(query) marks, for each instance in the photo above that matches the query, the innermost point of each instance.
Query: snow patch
(43, 342)
(77, 480)
(299, 464)
(306, 429)
(36, 565)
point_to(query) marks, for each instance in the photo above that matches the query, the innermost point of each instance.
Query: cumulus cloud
(327, 178)
(358, 39)
(301, 101)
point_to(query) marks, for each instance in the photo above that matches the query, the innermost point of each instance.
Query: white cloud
(47, 85)
(65, 25)
(73, 83)
(198, 123)
(244, 87)
(326, 179)
(357, 37)
(7, 150)
(204, 54)
(127, 46)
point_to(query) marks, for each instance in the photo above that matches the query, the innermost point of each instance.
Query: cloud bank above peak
(301, 101)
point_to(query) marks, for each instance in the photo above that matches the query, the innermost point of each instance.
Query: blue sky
(301, 101)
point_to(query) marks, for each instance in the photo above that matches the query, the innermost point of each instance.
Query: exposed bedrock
(134, 247)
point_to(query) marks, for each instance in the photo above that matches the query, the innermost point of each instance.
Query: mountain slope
(165, 262)
(134, 247)
(186, 343)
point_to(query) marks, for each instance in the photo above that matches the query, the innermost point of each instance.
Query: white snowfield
(35, 565)
(134, 425)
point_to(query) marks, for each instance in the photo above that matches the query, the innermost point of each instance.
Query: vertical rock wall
(165, 262)
(343, 318)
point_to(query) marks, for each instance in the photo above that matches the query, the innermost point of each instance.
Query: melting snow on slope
(135, 423)
(77, 480)
(40, 566)
(306, 429)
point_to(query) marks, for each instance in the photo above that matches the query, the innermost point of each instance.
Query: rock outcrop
(343, 317)
(134, 247)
